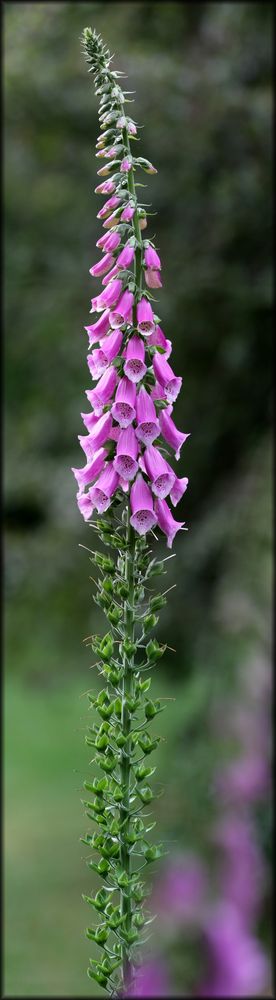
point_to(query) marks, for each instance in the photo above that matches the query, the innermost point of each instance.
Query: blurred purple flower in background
(152, 981)
(237, 964)
(221, 904)
(181, 890)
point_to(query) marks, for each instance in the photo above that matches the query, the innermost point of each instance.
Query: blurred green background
(202, 77)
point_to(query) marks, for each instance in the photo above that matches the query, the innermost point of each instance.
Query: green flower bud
(142, 772)
(145, 793)
(154, 651)
(151, 709)
(153, 852)
(157, 602)
(149, 622)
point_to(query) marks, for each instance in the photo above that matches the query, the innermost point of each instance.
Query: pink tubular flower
(102, 491)
(117, 317)
(90, 470)
(162, 477)
(105, 188)
(98, 329)
(101, 357)
(147, 424)
(110, 294)
(85, 505)
(109, 241)
(99, 431)
(97, 363)
(112, 220)
(158, 339)
(165, 376)
(145, 317)
(112, 274)
(152, 278)
(123, 409)
(126, 164)
(166, 521)
(135, 367)
(143, 516)
(179, 487)
(125, 461)
(108, 207)
(151, 259)
(127, 213)
(125, 258)
(102, 266)
(173, 437)
(103, 391)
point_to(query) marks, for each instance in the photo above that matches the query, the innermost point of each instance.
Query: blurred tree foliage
(202, 76)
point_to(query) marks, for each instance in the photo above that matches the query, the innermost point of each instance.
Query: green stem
(125, 757)
(125, 859)
(138, 272)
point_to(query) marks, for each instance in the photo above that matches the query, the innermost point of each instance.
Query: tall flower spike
(131, 406)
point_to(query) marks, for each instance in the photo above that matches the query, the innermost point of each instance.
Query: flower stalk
(126, 480)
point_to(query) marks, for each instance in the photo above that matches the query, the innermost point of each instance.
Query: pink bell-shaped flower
(143, 517)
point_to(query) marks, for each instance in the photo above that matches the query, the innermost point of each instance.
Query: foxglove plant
(127, 480)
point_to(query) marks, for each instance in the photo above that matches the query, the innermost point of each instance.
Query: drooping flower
(110, 295)
(166, 377)
(112, 274)
(145, 318)
(147, 423)
(151, 258)
(125, 461)
(152, 278)
(126, 257)
(101, 395)
(101, 357)
(134, 366)
(102, 266)
(159, 472)
(99, 329)
(91, 469)
(167, 522)
(108, 242)
(158, 339)
(99, 432)
(103, 490)
(143, 516)
(85, 505)
(128, 213)
(179, 487)
(123, 409)
(108, 207)
(118, 317)
(173, 437)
